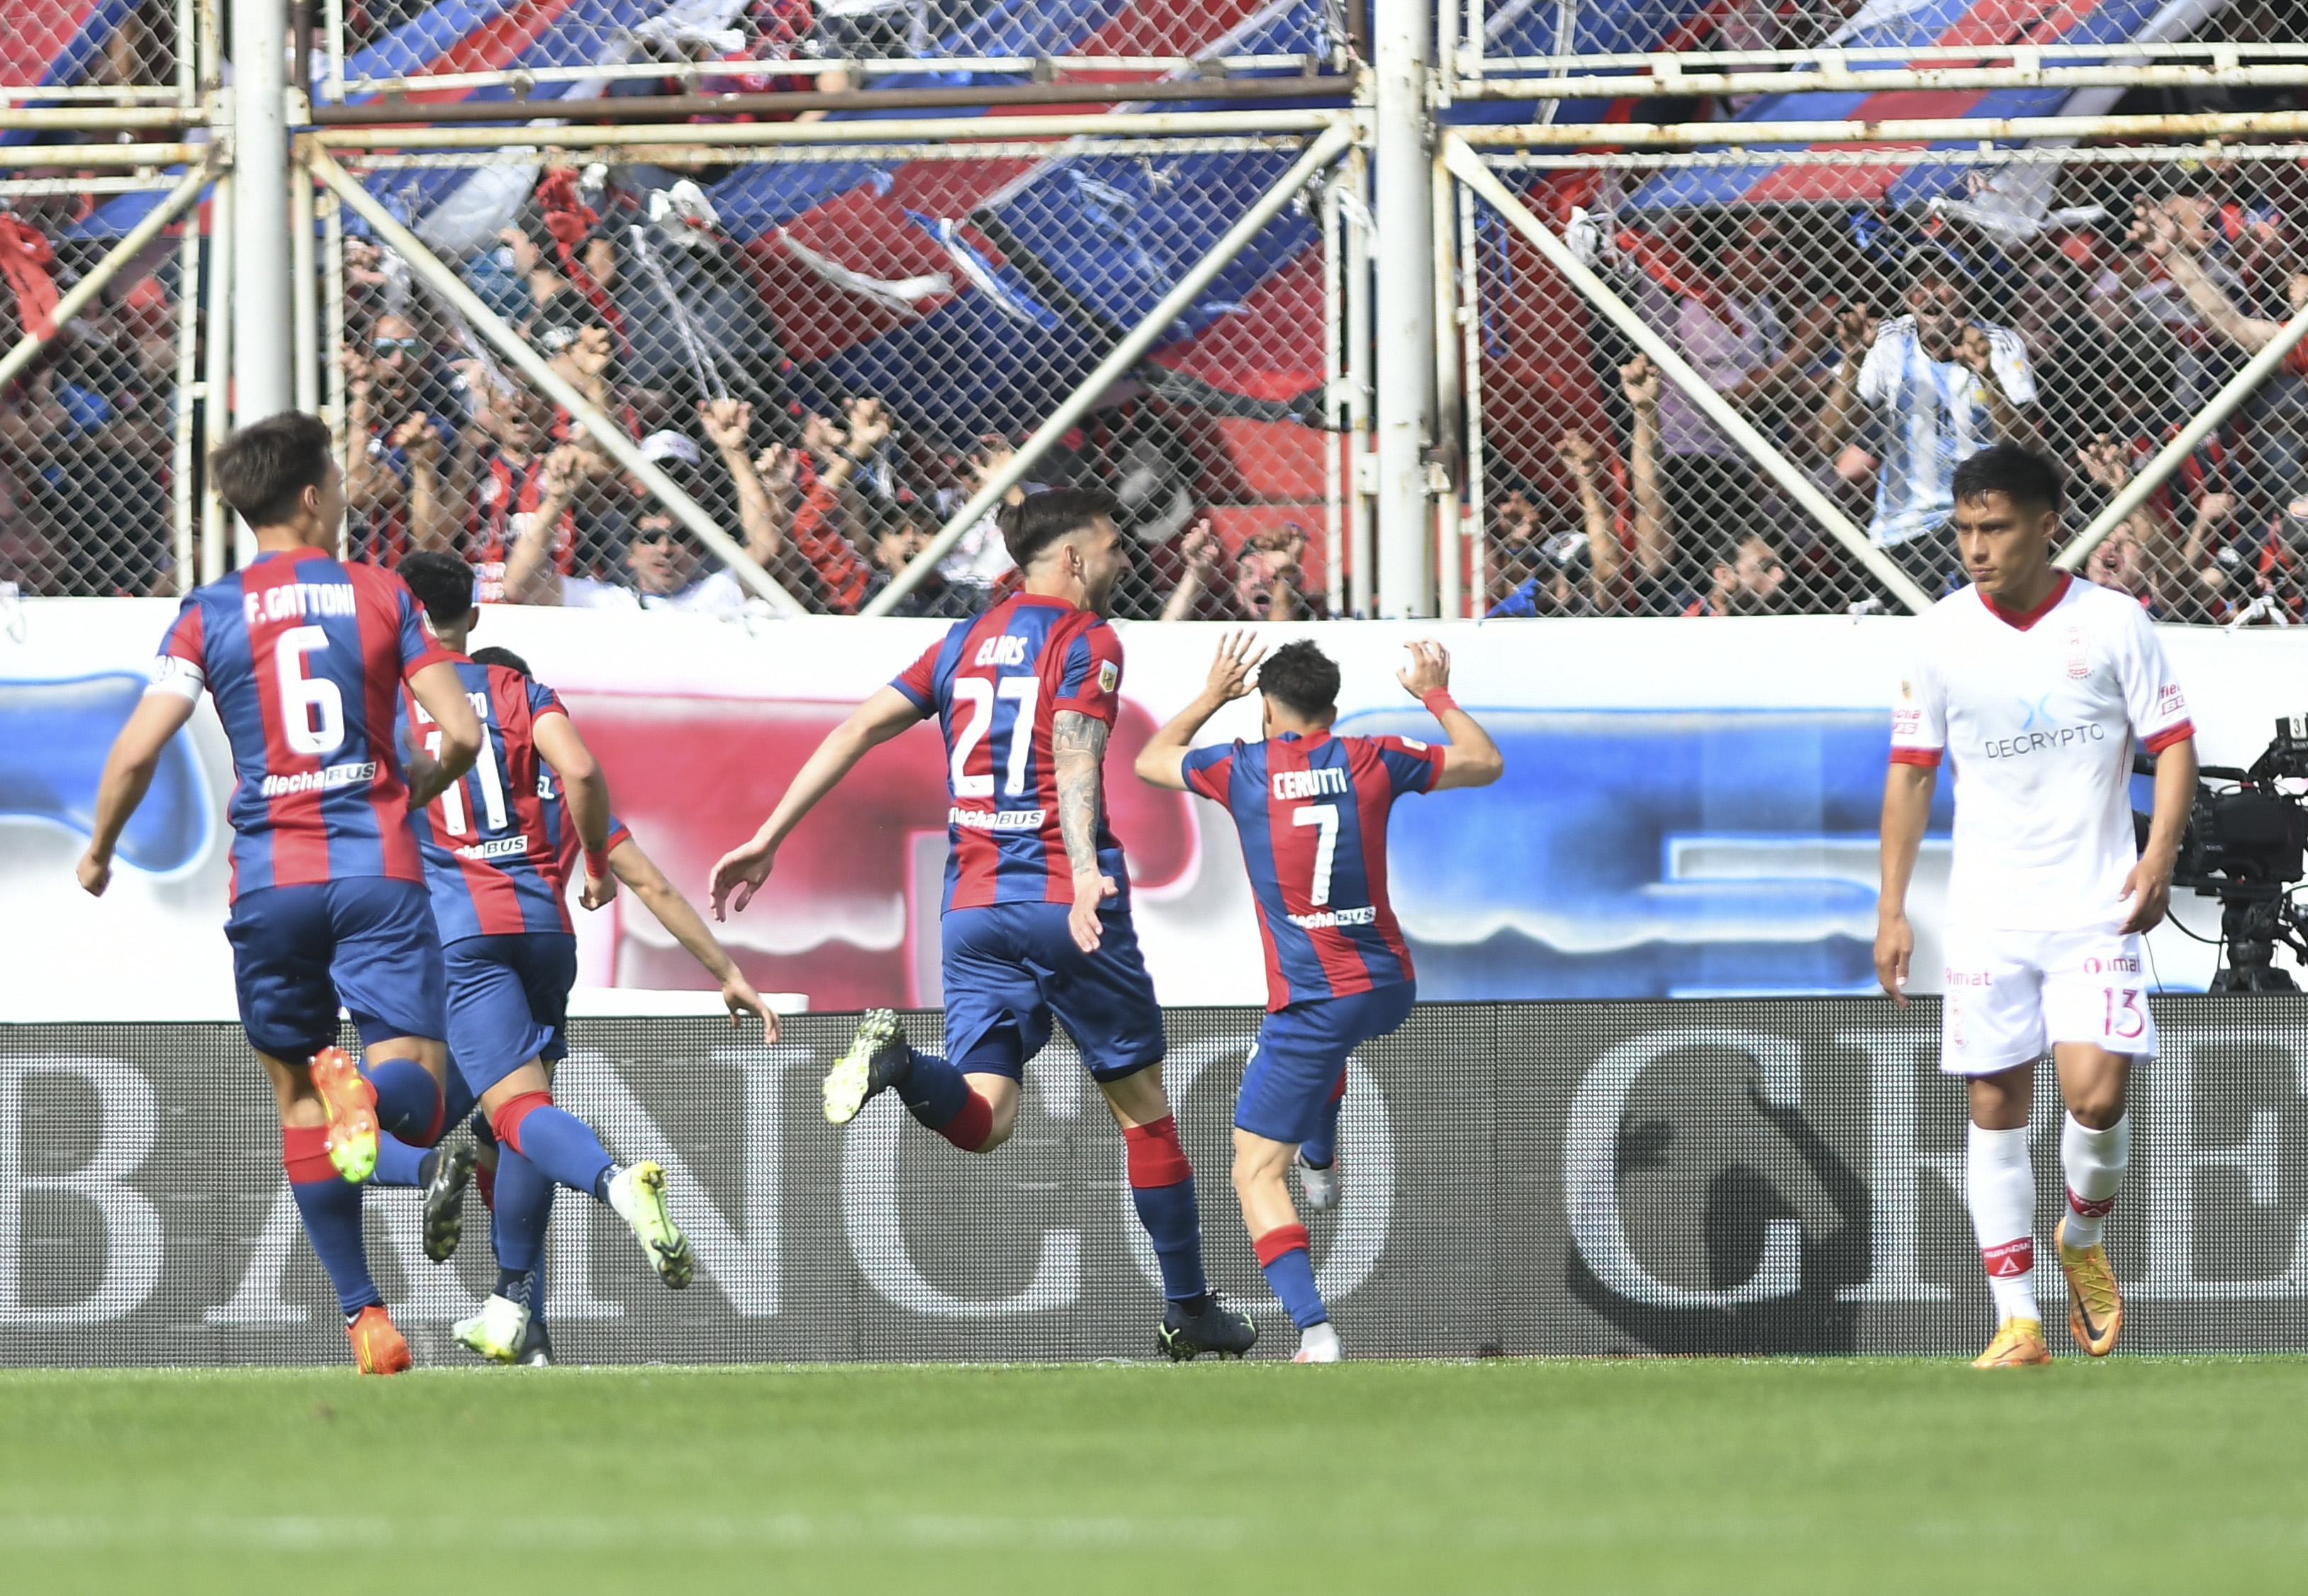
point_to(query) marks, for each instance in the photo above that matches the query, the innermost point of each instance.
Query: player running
(1312, 810)
(305, 657)
(1037, 911)
(495, 848)
(2037, 684)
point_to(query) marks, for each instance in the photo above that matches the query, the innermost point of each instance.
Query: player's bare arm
(2147, 889)
(560, 746)
(740, 872)
(1162, 762)
(1906, 810)
(127, 776)
(1472, 759)
(674, 912)
(1078, 748)
(441, 693)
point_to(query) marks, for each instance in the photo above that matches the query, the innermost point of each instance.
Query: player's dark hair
(1302, 677)
(502, 656)
(443, 583)
(263, 468)
(2028, 479)
(1040, 519)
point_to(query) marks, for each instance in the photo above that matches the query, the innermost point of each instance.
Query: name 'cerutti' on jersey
(2038, 714)
(306, 658)
(499, 843)
(1311, 813)
(997, 684)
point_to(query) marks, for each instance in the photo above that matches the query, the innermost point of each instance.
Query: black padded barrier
(1719, 1176)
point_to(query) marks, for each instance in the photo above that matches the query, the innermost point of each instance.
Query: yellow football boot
(2018, 1343)
(2094, 1304)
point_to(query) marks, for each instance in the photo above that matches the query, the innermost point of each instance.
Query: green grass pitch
(1683, 1475)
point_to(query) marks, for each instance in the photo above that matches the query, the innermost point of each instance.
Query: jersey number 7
(1325, 818)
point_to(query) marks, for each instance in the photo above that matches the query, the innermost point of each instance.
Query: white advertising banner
(1689, 807)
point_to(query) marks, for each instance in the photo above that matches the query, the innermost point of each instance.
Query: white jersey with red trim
(2039, 713)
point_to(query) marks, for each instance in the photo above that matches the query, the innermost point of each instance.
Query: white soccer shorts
(2013, 995)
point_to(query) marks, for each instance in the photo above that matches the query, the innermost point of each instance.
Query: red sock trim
(485, 1182)
(506, 1120)
(970, 1129)
(2090, 1208)
(1339, 1090)
(304, 1153)
(1282, 1239)
(1154, 1155)
(2010, 1259)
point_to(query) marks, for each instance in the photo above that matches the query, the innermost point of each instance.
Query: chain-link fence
(96, 408)
(1874, 317)
(829, 351)
(589, 49)
(56, 53)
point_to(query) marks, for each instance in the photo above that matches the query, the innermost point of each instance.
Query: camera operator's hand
(2147, 889)
(1895, 946)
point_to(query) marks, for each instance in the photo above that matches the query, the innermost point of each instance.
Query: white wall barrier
(1689, 808)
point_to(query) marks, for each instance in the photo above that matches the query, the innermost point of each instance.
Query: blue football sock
(1321, 1148)
(330, 1208)
(934, 1091)
(1291, 1272)
(407, 1101)
(399, 1165)
(1162, 1188)
(517, 1226)
(557, 1141)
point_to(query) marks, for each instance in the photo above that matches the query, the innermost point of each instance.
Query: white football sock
(1319, 1344)
(2001, 1185)
(2093, 1162)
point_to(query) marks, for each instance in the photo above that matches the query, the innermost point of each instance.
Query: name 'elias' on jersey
(997, 683)
(1311, 813)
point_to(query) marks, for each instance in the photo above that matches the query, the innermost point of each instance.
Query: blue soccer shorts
(508, 1002)
(1294, 1065)
(1012, 967)
(367, 943)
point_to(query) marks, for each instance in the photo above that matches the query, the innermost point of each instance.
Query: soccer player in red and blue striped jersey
(497, 858)
(305, 659)
(1037, 914)
(1312, 810)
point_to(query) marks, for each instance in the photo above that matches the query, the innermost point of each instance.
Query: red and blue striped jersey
(996, 684)
(306, 658)
(493, 842)
(1311, 813)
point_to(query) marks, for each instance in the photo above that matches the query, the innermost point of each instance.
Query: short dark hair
(502, 657)
(1302, 676)
(443, 583)
(2027, 478)
(1041, 519)
(263, 468)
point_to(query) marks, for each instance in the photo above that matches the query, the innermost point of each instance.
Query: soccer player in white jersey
(2037, 685)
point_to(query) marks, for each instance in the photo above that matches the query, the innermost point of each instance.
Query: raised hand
(1579, 455)
(1975, 351)
(1231, 671)
(1200, 550)
(869, 426)
(417, 439)
(1638, 379)
(2155, 231)
(1429, 668)
(1855, 330)
(775, 467)
(728, 423)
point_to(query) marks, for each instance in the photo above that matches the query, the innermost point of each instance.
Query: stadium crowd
(1873, 360)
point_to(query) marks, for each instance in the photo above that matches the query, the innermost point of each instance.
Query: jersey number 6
(311, 709)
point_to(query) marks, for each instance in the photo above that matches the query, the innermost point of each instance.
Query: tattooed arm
(1078, 744)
